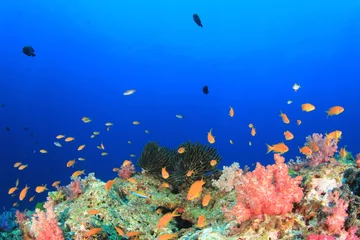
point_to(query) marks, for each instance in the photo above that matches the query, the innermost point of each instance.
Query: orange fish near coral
(206, 200)
(314, 146)
(13, 189)
(93, 211)
(164, 173)
(288, 135)
(195, 190)
(164, 220)
(56, 183)
(77, 173)
(284, 118)
(343, 153)
(305, 150)
(181, 150)
(23, 193)
(70, 163)
(210, 137)
(167, 236)
(109, 184)
(213, 162)
(201, 221)
(307, 107)
(231, 112)
(93, 231)
(40, 189)
(119, 231)
(279, 148)
(335, 111)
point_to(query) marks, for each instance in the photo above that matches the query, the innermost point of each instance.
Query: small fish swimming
(129, 92)
(205, 90)
(197, 20)
(29, 51)
(57, 144)
(296, 87)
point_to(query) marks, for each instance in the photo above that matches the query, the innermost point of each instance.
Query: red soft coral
(336, 220)
(126, 171)
(327, 149)
(44, 224)
(320, 237)
(267, 190)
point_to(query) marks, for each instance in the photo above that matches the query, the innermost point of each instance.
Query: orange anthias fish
(22, 167)
(335, 111)
(284, 118)
(164, 173)
(17, 164)
(77, 173)
(119, 231)
(195, 190)
(279, 148)
(164, 220)
(298, 122)
(93, 231)
(56, 183)
(206, 200)
(13, 189)
(210, 137)
(126, 162)
(288, 135)
(23, 193)
(181, 150)
(60, 136)
(231, 112)
(93, 211)
(334, 135)
(189, 173)
(70, 163)
(253, 132)
(343, 153)
(314, 146)
(40, 189)
(305, 150)
(69, 139)
(213, 162)
(81, 147)
(201, 221)
(307, 107)
(167, 236)
(109, 184)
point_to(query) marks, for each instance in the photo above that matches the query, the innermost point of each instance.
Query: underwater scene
(159, 120)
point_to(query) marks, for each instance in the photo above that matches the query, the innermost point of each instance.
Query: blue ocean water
(249, 54)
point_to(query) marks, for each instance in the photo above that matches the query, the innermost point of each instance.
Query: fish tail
(269, 148)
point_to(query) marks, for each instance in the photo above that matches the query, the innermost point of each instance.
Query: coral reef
(317, 201)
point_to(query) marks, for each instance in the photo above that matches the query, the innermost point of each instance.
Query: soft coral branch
(267, 190)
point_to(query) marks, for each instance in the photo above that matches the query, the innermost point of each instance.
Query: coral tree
(267, 190)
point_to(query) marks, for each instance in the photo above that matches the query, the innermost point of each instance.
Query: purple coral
(126, 171)
(326, 149)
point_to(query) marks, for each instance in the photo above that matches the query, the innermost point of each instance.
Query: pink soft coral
(44, 224)
(327, 149)
(267, 190)
(126, 171)
(336, 220)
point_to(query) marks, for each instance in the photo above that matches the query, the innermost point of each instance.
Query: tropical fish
(197, 20)
(206, 200)
(279, 148)
(40, 189)
(81, 147)
(210, 137)
(296, 87)
(284, 118)
(129, 92)
(181, 150)
(335, 111)
(205, 90)
(29, 51)
(179, 116)
(23, 193)
(307, 107)
(164, 220)
(231, 112)
(164, 173)
(57, 144)
(288, 135)
(195, 190)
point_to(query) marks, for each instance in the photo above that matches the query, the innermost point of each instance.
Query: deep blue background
(249, 53)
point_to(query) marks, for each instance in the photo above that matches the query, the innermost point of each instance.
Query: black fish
(7, 128)
(197, 20)
(29, 51)
(3, 105)
(26, 128)
(206, 90)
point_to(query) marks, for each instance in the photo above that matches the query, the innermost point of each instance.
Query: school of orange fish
(196, 188)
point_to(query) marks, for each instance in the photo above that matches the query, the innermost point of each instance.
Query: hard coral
(327, 149)
(267, 190)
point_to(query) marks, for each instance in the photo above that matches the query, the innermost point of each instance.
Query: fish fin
(269, 148)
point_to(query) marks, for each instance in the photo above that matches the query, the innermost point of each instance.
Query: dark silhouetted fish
(2, 105)
(26, 128)
(197, 20)
(206, 90)
(29, 51)
(7, 128)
